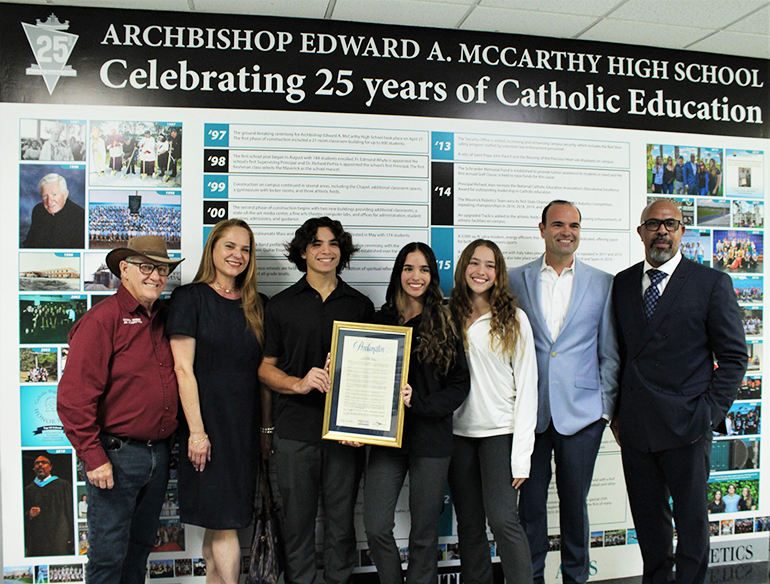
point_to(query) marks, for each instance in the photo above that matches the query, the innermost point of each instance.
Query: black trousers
(653, 477)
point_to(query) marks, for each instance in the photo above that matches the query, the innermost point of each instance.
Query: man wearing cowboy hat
(118, 402)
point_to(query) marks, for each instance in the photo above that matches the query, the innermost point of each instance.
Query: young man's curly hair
(306, 235)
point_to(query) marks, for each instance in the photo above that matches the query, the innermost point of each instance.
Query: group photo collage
(85, 187)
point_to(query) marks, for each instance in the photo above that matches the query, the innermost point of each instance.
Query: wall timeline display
(165, 123)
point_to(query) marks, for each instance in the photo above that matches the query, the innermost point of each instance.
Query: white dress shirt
(503, 396)
(555, 295)
(668, 268)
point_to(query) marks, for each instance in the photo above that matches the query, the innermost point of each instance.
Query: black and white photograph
(52, 140)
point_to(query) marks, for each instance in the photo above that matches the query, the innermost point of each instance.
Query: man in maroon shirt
(118, 402)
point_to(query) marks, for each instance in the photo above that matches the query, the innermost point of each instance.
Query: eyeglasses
(654, 224)
(148, 269)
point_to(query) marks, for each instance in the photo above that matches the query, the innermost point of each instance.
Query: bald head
(660, 242)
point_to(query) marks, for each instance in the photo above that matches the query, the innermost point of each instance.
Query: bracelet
(268, 430)
(191, 441)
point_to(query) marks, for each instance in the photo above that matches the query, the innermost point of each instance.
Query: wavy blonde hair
(246, 281)
(504, 328)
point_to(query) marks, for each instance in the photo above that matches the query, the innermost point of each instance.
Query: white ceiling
(734, 27)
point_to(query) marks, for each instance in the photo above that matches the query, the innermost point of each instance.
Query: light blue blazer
(578, 374)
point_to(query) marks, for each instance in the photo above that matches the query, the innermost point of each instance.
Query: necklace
(218, 286)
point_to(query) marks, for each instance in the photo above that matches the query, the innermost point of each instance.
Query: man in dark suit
(674, 318)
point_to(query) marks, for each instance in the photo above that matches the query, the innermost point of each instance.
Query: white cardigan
(503, 396)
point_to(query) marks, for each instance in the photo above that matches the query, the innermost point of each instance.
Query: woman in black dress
(216, 334)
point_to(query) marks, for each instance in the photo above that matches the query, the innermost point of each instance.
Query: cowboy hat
(152, 247)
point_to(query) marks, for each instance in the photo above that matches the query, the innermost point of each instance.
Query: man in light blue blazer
(569, 305)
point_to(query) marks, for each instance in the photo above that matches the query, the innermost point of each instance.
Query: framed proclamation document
(369, 366)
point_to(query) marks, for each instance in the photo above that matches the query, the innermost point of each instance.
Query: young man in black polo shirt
(298, 331)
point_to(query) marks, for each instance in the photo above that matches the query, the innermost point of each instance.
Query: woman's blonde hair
(246, 281)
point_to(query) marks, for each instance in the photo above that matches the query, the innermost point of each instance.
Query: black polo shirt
(298, 332)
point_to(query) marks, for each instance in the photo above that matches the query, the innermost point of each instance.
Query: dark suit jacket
(670, 393)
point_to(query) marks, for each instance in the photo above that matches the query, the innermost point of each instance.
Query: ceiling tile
(735, 43)
(293, 8)
(702, 13)
(522, 22)
(629, 32)
(407, 12)
(584, 7)
(757, 23)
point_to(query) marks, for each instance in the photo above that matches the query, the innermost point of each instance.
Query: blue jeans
(123, 521)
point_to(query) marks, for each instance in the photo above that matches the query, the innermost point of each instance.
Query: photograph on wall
(183, 567)
(41, 574)
(48, 503)
(66, 573)
(738, 252)
(756, 359)
(170, 506)
(38, 364)
(762, 523)
(748, 214)
(686, 206)
(695, 246)
(82, 508)
(51, 206)
(734, 454)
(751, 316)
(52, 140)
(49, 318)
(161, 568)
(748, 289)
(82, 539)
(18, 574)
(116, 216)
(135, 154)
(713, 212)
(733, 493)
(170, 535)
(751, 388)
(40, 424)
(49, 271)
(96, 275)
(743, 419)
(684, 170)
(744, 175)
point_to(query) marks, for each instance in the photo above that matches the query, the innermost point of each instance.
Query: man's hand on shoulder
(101, 476)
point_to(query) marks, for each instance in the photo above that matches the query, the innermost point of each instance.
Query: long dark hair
(437, 329)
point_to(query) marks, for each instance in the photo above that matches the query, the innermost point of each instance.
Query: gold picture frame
(369, 366)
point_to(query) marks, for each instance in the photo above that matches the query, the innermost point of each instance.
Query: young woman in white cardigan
(494, 430)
